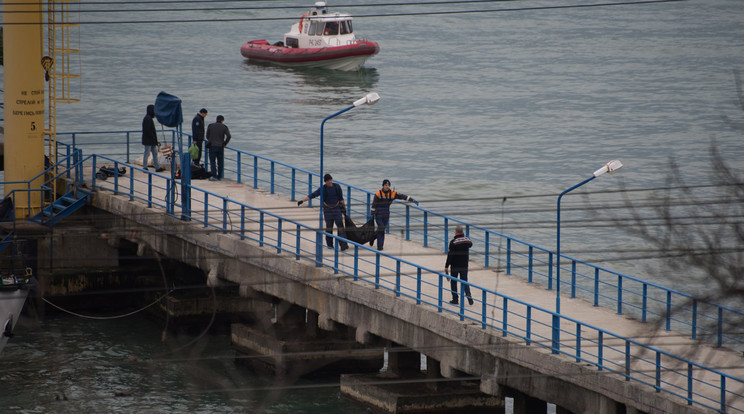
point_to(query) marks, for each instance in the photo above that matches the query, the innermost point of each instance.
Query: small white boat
(319, 39)
(13, 293)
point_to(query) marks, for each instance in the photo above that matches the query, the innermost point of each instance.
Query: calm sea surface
(475, 108)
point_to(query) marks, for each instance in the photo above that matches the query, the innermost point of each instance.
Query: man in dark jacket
(458, 258)
(333, 203)
(197, 132)
(218, 135)
(381, 209)
(150, 139)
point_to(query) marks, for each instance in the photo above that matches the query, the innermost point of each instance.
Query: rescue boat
(319, 39)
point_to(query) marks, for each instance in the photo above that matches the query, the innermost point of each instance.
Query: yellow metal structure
(24, 102)
(59, 65)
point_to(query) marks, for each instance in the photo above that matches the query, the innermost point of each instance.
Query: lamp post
(610, 167)
(369, 99)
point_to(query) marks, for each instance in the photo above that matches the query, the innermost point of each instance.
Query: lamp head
(610, 167)
(370, 99)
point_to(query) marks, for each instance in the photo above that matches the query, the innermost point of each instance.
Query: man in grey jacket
(218, 135)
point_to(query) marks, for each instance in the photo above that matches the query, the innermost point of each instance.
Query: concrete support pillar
(403, 361)
(432, 373)
(311, 327)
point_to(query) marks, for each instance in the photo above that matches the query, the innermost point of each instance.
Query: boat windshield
(331, 29)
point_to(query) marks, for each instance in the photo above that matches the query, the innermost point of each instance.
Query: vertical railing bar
(279, 235)
(529, 325)
(596, 286)
(484, 307)
(261, 228)
(377, 270)
(297, 254)
(669, 310)
(529, 272)
(242, 222)
(550, 271)
(426, 229)
(397, 278)
(508, 256)
(578, 342)
(272, 176)
(658, 371)
(487, 252)
(619, 295)
(689, 383)
(504, 316)
(600, 350)
(627, 360)
(573, 278)
(418, 286)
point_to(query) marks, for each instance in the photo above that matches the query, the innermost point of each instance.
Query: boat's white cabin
(319, 28)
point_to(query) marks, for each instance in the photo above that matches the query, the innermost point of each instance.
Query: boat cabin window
(316, 28)
(331, 29)
(346, 27)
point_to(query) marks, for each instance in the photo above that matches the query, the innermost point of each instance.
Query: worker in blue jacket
(381, 209)
(333, 205)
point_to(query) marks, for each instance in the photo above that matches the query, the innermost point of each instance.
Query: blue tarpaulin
(168, 110)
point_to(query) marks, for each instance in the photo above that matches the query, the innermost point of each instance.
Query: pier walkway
(603, 340)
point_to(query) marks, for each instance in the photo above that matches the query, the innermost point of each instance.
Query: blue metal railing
(603, 287)
(512, 317)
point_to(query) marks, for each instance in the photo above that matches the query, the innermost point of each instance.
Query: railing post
(292, 185)
(408, 222)
(272, 176)
(446, 235)
(242, 222)
(529, 325)
(644, 307)
(556, 333)
(260, 228)
(596, 286)
(619, 295)
(397, 278)
(658, 372)
(488, 244)
(239, 167)
(508, 256)
(206, 205)
(426, 228)
(689, 383)
(224, 215)
(550, 270)
(297, 247)
(279, 236)
(669, 311)
(418, 286)
(505, 317)
(356, 263)
(600, 350)
(441, 292)
(529, 265)
(627, 360)
(255, 172)
(578, 342)
(484, 308)
(573, 278)
(377, 270)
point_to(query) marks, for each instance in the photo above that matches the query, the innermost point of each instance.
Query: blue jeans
(382, 219)
(463, 274)
(217, 156)
(333, 216)
(151, 149)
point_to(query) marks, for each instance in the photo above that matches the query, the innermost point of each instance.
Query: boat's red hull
(347, 57)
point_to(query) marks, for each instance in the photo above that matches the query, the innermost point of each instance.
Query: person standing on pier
(150, 139)
(458, 257)
(381, 209)
(333, 205)
(197, 132)
(218, 135)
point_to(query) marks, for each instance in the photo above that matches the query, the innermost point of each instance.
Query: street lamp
(610, 167)
(369, 99)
